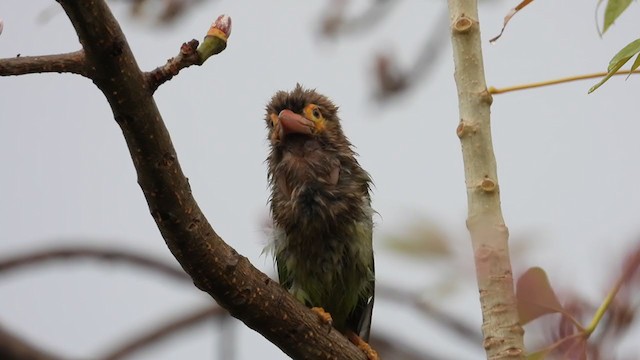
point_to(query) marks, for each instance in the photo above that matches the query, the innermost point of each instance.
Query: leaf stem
(603, 308)
(494, 90)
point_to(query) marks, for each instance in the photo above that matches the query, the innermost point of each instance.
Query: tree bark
(502, 332)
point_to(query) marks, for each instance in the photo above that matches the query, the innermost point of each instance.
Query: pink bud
(223, 23)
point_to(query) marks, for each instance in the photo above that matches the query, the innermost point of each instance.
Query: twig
(74, 63)
(494, 90)
(192, 53)
(14, 348)
(186, 57)
(159, 333)
(40, 257)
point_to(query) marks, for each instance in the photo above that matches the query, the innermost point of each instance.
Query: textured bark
(186, 57)
(503, 335)
(61, 63)
(215, 267)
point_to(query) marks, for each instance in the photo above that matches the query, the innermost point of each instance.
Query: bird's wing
(366, 304)
(360, 317)
(284, 278)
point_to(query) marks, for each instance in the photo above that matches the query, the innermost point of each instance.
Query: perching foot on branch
(362, 345)
(324, 316)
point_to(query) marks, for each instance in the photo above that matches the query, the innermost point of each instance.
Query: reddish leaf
(575, 348)
(535, 296)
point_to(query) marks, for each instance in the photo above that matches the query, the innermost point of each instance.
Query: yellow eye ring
(274, 119)
(312, 112)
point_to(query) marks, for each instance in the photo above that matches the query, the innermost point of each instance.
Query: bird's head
(302, 112)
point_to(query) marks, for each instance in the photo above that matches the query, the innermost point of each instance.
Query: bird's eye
(316, 113)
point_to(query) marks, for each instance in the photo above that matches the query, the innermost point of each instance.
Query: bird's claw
(363, 345)
(324, 316)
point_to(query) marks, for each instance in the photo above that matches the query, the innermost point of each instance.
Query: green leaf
(625, 54)
(618, 61)
(634, 66)
(609, 75)
(614, 9)
(535, 297)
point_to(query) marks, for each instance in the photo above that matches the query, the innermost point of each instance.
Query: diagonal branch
(74, 63)
(214, 266)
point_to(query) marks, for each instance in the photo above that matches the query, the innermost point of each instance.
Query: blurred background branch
(59, 253)
(13, 347)
(172, 326)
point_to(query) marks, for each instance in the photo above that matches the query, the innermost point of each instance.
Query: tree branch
(14, 348)
(61, 63)
(192, 53)
(186, 57)
(17, 262)
(161, 332)
(214, 266)
(387, 347)
(503, 335)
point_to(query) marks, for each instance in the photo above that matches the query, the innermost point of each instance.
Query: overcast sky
(567, 162)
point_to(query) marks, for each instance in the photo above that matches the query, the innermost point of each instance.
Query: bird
(320, 205)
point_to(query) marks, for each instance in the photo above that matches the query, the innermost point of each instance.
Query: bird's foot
(324, 316)
(362, 345)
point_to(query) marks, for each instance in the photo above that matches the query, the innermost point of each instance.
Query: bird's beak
(291, 122)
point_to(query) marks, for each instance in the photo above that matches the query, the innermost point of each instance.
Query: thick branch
(14, 348)
(61, 63)
(215, 267)
(503, 335)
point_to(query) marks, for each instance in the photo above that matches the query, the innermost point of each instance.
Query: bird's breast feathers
(315, 166)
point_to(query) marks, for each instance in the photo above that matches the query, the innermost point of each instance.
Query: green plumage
(320, 205)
